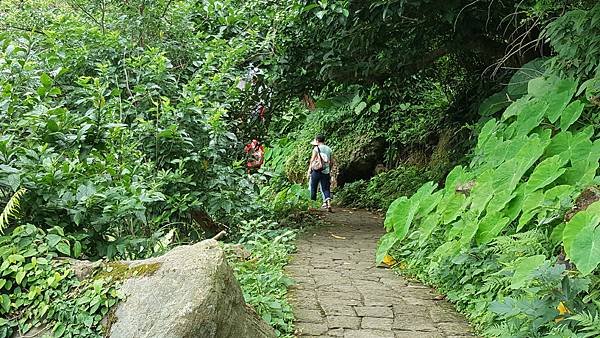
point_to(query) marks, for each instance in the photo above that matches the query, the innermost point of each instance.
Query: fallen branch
(220, 235)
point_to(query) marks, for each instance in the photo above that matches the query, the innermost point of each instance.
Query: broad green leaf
(77, 249)
(515, 108)
(59, 329)
(19, 277)
(524, 269)
(84, 192)
(531, 116)
(470, 226)
(545, 173)
(5, 302)
(455, 230)
(64, 248)
(405, 213)
(46, 80)
(588, 218)
(401, 213)
(559, 96)
(585, 252)
(490, 226)
(52, 126)
(386, 243)
(391, 216)
(454, 207)
(570, 146)
(538, 87)
(556, 236)
(531, 151)
(405, 218)
(517, 86)
(571, 114)
(555, 91)
(513, 208)
(483, 191)
(429, 203)
(448, 249)
(53, 240)
(488, 129)
(584, 163)
(531, 202)
(494, 148)
(559, 192)
(428, 226)
(455, 176)
(525, 218)
(506, 178)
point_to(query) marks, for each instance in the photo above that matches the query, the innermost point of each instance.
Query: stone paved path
(340, 292)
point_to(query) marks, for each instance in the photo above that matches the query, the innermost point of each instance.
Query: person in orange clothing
(255, 152)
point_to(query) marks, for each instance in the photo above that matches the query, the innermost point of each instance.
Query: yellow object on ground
(389, 260)
(562, 310)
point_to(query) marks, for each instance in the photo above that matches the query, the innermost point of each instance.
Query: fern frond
(11, 208)
(587, 323)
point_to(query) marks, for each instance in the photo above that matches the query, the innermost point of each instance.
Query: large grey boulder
(189, 292)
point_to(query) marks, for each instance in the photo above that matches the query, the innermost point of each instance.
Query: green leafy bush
(528, 170)
(258, 261)
(39, 290)
(118, 140)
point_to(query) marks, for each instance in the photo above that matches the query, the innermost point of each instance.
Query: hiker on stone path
(319, 170)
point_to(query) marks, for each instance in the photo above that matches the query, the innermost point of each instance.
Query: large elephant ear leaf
(555, 91)
(483, 191)
(571, 114)
(490, 227)
(559, 97)
(394, 213)
(428, 203)
(586, 250)
(545, 173)
(488, 129)
(559, 145)
(385, 244)
(453, 208)
(583, 224)
(515, 108)
(531, 116)
(469, 229)
(428, 226)
(517, 86)
(402, 211)
(584, 163)
(538, 87)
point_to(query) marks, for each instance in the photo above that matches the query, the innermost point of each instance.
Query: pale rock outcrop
(189, 292)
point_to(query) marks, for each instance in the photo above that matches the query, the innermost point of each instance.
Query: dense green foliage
(258, 262)
(491, 235)
(117, 146)
(125, 123)
(39, 290)
(122, 126)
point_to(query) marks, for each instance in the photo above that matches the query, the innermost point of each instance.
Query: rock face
(361, 163)
(192, 293)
